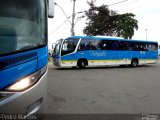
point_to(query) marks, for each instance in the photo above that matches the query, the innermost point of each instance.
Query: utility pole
(73, 16)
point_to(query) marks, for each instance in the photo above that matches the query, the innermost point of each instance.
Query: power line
(79, 17)
(58, 27)
(63, 12)
(118, 2)
(66, 21)
(128, 3)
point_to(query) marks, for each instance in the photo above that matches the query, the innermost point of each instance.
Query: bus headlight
(26, 82)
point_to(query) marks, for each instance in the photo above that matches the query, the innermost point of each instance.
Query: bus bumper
(30, 101)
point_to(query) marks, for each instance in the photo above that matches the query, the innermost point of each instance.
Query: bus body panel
(11, 75)
(12, 72)
(32, 99)
(42, 57)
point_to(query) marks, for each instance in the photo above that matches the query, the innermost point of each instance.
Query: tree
(102, 21)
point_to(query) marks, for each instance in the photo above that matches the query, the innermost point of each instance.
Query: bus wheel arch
(134, 62)
(82, 63)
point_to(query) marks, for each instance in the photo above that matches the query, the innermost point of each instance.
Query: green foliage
(102, 21)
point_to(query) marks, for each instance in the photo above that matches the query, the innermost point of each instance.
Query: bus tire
(134, 62)
(81, 63)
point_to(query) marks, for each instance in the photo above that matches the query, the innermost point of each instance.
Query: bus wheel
(81, 64)
(134, 62)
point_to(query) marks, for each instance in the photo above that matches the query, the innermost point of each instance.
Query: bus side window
(105, 45)
(114, 45)
(93, 45)
(80, 47)
(142, 46)
(134, 46)
(154, 47)
(84, 45)
(127, 46)
(87, 45)
(97, 44)
(102, 44)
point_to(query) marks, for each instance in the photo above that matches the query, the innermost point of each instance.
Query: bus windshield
(14, 15)
(57, 47)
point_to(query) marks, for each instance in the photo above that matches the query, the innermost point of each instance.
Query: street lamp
(146, 33)
(64, 13)
(73, 17)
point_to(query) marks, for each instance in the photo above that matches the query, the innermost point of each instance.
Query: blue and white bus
(82, 51)
(23, 55)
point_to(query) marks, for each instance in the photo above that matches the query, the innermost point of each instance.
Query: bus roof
(111, 38)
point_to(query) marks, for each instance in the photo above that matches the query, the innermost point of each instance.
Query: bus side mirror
(51, 8)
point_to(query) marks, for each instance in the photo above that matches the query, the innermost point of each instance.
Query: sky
(147, 12)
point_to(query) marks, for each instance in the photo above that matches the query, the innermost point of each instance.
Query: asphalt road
(104, 90)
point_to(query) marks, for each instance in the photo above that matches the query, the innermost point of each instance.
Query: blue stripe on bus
(109, 55)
